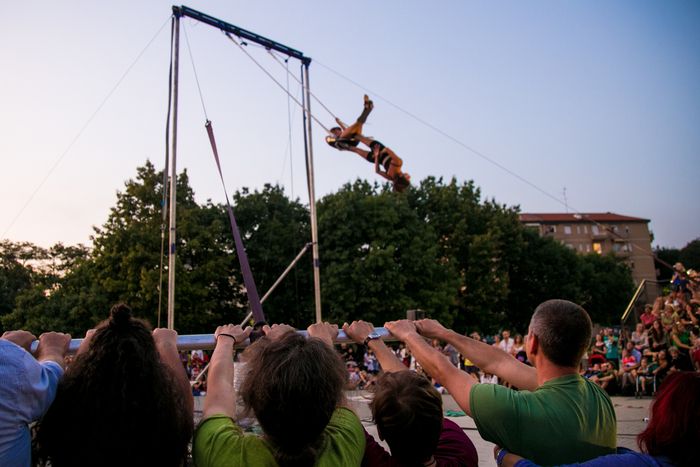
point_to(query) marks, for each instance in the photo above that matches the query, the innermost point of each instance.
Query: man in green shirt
(558, 417)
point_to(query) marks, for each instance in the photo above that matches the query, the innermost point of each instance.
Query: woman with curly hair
(125, 400)
(294, 387)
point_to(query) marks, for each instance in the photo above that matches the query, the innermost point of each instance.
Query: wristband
(227, 335)
(499, 457)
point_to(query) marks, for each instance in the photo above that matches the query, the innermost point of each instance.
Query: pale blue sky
(602, 98)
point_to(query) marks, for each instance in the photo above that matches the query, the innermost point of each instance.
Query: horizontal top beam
(208, 342)
(180, 11)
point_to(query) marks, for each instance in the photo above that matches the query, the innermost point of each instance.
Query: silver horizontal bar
(208, 342)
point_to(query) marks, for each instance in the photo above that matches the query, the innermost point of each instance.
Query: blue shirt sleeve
(624, 457)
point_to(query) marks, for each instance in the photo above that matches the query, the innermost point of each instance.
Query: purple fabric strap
(248, 281)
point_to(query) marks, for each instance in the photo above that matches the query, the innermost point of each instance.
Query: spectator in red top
(408, 412)
(647, 317)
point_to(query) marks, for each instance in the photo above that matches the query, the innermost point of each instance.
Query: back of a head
(401, 182)
(674, 428)
(408, 412)
(293, 386)
(564, 331)
(117, 403)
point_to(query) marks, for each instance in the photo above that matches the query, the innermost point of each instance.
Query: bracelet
(227, 335)
(499, 457)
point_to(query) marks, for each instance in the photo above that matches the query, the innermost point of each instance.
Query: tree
(607, 287)
(274, 230)
(379, 258)
(543, 270)
(480, 240)
(15, 275)
(690, 255)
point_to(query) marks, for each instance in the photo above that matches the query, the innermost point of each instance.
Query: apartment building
(627, 237)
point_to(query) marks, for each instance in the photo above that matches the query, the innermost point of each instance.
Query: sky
(596, 105)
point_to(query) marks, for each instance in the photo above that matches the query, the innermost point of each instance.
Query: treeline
(438, 247)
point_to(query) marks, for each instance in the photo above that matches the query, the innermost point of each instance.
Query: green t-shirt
(219, 442)
(568, 419)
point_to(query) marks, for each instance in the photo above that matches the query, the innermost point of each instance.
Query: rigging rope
(275, 80)
(248, 281)
(81, 131)
(194, 69)
(271, 52)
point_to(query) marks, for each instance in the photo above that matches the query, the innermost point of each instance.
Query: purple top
(454, 449)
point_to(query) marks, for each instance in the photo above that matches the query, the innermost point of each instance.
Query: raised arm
(358, 332)
(341, 124)
(488, 358)
(435, 363)
(53, 346)
(166, 344)
(221, 395)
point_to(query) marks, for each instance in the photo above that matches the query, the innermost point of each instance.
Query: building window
(570, 246)
(580, 247)
(598, 248)
(567, 230)
(595, 230)
(585, 229)
(588, 248)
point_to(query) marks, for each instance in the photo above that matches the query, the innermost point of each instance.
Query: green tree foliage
(690, 255)
(543, 269)
(15, 275)
(379, 258)
(480, 240)
(606, 287)
(669, 256)
(439, 247)
(274, 230)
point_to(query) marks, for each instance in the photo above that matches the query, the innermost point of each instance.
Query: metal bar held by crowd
(208, 342)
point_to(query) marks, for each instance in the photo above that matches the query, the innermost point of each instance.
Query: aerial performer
(386, 163)
(343, 137)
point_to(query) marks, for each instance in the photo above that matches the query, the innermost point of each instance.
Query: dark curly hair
(401, 182)
(117, 403)
(293, 385)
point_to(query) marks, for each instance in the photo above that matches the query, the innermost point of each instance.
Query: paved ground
(630, 422)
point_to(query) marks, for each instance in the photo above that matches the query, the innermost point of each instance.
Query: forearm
(493, 360)
(438, 366)
(171, 359)
(53, 356)
(220, 390)
(387, 358)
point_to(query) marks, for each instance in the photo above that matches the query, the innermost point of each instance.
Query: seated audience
(294, 387)
(28, 387)
(670, 439)
(644, 375)
(408, 412)
(124, 400)
(555, 402)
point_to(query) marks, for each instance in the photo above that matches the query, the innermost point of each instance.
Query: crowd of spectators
(126, 398)
(665, 340)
